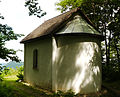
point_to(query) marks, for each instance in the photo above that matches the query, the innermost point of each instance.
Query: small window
(35, 58)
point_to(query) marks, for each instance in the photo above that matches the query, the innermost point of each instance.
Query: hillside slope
(13, 64)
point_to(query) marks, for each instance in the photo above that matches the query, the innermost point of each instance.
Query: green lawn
(16, 89)
(10, 88)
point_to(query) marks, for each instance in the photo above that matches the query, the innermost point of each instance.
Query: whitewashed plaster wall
(76, 64)
(42, 75)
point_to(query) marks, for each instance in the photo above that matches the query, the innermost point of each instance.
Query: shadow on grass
(11, 88)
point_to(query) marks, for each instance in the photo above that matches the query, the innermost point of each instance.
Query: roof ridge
(53, 24)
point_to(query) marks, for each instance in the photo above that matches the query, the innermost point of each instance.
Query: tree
(34, 8)
(105, 15)
(7, 34)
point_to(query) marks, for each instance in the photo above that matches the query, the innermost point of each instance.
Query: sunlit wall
(76, 64)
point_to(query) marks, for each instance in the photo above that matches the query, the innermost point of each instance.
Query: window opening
(35, 58)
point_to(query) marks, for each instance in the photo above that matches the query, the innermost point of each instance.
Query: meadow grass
(10, 88)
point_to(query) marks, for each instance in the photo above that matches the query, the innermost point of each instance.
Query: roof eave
(98, 36)
(55, 27)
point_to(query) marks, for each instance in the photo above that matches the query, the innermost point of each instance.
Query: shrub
(12, 71)
(20, 74)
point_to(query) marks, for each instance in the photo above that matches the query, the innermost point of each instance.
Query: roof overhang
(51, 26)
(81, 34)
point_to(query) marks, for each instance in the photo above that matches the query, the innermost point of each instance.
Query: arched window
(35, 58)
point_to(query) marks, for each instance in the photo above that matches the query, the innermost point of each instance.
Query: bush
(20, 74)
(12, 71)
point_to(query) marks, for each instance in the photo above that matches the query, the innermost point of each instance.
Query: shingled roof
(52, 25)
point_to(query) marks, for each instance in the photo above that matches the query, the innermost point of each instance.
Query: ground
(22, 89)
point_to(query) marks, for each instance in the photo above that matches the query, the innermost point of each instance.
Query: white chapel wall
(76, 64)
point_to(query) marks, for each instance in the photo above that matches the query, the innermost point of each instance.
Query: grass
(7, 89)
(10, 88)
(11, 78)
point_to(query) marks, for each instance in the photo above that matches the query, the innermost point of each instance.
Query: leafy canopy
(64, 5)
(34, 8)
(7, 34)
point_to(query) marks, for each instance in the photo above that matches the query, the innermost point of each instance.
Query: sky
(16, 16)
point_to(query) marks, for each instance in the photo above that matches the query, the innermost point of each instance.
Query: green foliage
(1, 77)
(11, 72)
(6, 72)
(20, 74)
(34, 8)
(7, 34)
(9, 90)
(6, 91)
(64, 5)
(59, 93)
(3, 71)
